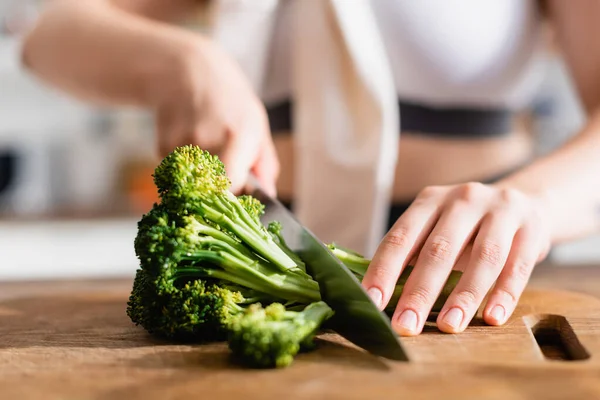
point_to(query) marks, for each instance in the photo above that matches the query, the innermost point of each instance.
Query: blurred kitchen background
(74, 179)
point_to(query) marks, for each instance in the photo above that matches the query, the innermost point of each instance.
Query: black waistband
(431, 121)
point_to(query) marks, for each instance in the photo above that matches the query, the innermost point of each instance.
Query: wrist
(541, 201)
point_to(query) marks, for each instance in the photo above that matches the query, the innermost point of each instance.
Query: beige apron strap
(346, 123)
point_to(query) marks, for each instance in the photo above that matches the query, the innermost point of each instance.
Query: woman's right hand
(206, 100)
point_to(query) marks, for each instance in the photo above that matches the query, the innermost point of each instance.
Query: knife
(356, 318)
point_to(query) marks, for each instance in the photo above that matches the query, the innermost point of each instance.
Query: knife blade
(356, 318)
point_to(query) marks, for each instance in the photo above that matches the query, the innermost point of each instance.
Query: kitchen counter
(71, 339)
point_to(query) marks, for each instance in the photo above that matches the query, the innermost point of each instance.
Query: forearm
(567, 184)
(101, 53)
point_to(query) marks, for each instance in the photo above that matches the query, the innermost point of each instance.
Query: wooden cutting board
(74, 341)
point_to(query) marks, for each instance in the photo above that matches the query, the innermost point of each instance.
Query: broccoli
(196, 311)
(179, 255)
(188, 248)
(253, 206)
(191, 180)
(274, 228)
(204, 254)
(271, 337)
(358, 265)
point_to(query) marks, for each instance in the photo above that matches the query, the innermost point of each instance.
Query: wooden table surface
(72, 340)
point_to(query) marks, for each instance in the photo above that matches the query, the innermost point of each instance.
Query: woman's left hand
(500, 234)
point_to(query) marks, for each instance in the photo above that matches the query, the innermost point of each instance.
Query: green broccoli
(271, 337)
(179, 254)
(186, 247)
(253, 206)
(192, 181)
(358, 265)
(274, 228)
(197, 311)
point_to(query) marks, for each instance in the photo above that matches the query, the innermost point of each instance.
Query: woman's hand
(498, 234)
(116, 53)
(205, 100)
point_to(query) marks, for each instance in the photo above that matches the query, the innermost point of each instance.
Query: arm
(108, 51)
(567, 182)
(498, 233)
(122, 52)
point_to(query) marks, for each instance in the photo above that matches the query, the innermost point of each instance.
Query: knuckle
(520, 270)
(510, 197)
(507, 294)
(419, 297)
(379, 274)
(467, 296)
(439, 249)
(470, 191)
(490, 253)
(397, 238)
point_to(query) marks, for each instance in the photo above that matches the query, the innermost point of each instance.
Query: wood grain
(72, 340)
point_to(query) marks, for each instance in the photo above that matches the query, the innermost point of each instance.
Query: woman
(414, 101)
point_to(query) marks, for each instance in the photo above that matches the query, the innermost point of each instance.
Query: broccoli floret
(358, 265)
(196, 311)
(253, 206)
(184, 247)
(178, 254)
(271, 337)
(192, 181)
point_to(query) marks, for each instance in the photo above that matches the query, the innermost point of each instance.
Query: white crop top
(443, 52)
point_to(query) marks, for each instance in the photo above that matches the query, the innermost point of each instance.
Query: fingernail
(408, 321)
(375, 295)
(454, 317)
(498, 313)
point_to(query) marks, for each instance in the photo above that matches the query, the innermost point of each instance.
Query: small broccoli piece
(271, 337)
(358, 265)
(191, 180)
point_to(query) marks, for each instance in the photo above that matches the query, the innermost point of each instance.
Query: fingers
(513, 279)
(266, 168)
(489, 253)
(249, 148)
(436, 260)
(398, 247)
(241, 149)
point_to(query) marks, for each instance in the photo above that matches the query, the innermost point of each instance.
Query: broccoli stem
(274, 228)
(313, 316)
(259, 240)
(234, 308)
(358, 265)
(214, 232)
(449, 286)
(354, 261)
(236, 268)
